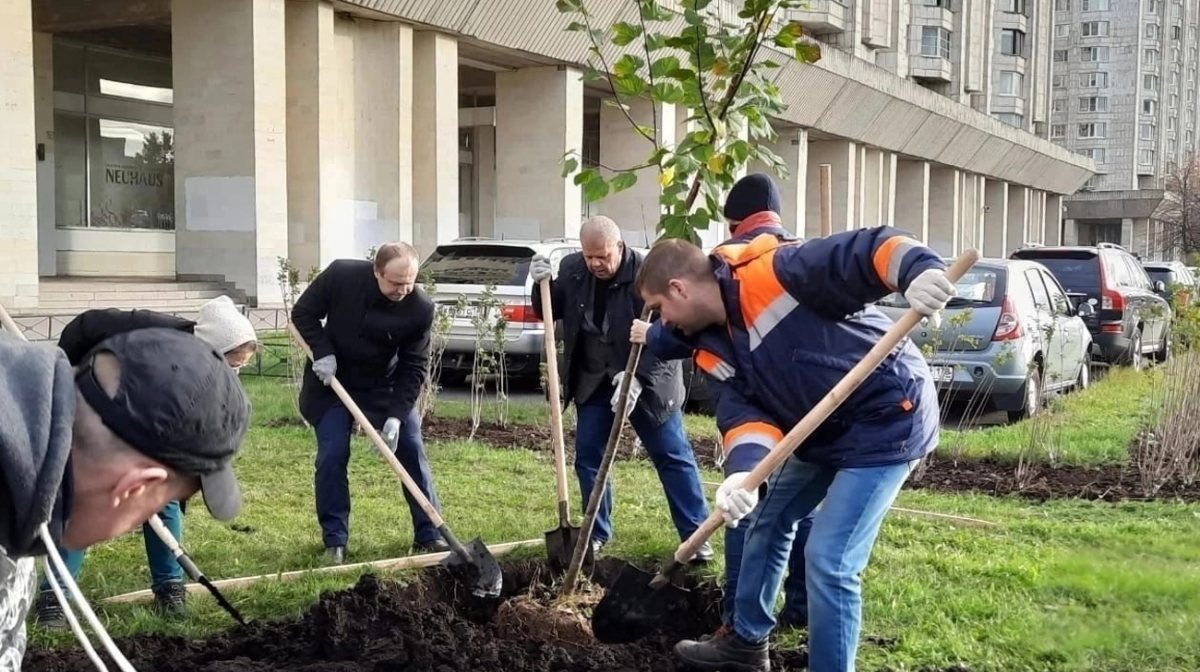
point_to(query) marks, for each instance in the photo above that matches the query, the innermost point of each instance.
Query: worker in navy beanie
(752, 202)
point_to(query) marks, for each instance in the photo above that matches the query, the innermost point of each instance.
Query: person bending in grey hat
(88, 454)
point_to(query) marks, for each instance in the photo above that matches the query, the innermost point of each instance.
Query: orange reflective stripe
(713, 365)
(762, 433)
(888, 257)
(760, 287)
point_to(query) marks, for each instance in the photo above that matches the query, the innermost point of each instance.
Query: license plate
(468, 312)
(942, 374)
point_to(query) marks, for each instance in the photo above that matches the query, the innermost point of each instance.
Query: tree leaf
(717, 163)
(623, 181)
(662, 67)
(627, 65)
(577, 27)
(682, 74)
(652, 11)
(720, 67)
(694, 18)
(668, 92)
(655, 41)
(586, 176)
(569, 166)
(593, 74)
(595, 189)
(565, 6)
(666, 177)
(785, 40)
(807, 52)
(630, 86)
(624, 33)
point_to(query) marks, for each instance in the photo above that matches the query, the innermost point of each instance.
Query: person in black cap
(87, 454)
(752, 203)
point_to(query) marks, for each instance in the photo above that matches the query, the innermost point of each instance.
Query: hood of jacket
(37, 412)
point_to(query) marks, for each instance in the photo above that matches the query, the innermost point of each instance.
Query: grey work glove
(325, 367)
(391, 433)
(539, 268)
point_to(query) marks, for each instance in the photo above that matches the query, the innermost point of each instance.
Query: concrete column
(312, 97)
(636, 210)
(1018, 216)
(1070, 232)
(1127, 233)
(889, 189)
(539, 118)
(842, 156)
(945, 210)
(485, 178)
(995, 219)
(970, 212)
(231, 190)
(1039, 216)
(872, 188)
(1054, 218)
(912, 198)
(792, 147)
(435, 140)
(18, 162)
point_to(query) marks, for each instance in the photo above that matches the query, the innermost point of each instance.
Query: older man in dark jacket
(594, 298)
(376, 340)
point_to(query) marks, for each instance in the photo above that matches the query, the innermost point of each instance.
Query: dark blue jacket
(798, 321)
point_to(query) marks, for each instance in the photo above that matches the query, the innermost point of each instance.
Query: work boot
(335, 555)
(171, 599)
(438, 545)
(704, 555)
(50, 613)
(791, 621)
(725, 651)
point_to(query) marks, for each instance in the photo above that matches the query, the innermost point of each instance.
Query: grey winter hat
(178, 403)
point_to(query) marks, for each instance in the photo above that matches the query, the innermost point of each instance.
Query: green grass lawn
(1066, 585)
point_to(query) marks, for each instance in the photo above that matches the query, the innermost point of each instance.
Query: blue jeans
(333, 487)
(838, 549)
(669, 449)
(164, 568)
(795, 592)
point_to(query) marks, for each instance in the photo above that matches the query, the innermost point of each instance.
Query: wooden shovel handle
(556, 423)
(380, 444)
(810, 422)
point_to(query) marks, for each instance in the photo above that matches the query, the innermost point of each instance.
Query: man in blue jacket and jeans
(783, 321)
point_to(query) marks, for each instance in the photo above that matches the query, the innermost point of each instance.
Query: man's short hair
(601, 227)
(389, 251)
(178, 402)
(672, 259)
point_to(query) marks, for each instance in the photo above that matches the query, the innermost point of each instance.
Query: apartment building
(1124, 95)
(185, 139)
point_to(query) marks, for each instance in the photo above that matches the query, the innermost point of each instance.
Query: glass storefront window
(132, 175)
(70, 169)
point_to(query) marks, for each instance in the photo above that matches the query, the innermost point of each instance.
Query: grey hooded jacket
(37, 410)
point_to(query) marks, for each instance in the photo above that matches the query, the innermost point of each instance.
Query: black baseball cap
(179, 403)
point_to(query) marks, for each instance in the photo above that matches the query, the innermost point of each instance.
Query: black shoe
(788, 621)
(436, 546)
(704, 555)
(50, 613)
(335, 555)
(171, 599)
(725, 651)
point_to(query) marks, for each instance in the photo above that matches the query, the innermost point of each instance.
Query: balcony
(822, 17)
(930, 68)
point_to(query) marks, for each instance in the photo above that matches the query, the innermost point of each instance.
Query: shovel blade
(560, 548)
(487, 576)
(632, 609)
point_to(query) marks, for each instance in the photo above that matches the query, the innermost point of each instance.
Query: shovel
(638, 600)
(560, 543)
(185, 560)
(489, 579)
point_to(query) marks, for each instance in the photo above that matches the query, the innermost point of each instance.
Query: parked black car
(1132, 319)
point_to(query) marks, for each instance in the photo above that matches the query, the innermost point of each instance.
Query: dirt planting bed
(431, 625)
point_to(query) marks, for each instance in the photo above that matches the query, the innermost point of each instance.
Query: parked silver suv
(464, 268)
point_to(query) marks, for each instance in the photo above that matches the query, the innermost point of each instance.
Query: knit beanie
(752, 194)
(223, 326)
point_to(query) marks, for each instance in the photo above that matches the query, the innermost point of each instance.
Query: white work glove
(637, 333)
(929, 292)
(325, 368)
(391, 433)
(635, 390)
(539, 268)
(734, 501)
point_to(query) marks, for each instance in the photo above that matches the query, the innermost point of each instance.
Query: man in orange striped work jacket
(778, 323)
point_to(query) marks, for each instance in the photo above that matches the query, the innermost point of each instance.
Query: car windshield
(979, 287)
(1075, 271)
(1167, 276)
(501, 265)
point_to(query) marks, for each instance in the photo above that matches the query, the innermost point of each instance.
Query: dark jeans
(669, 450)
(333, 487)
(795, 591)
(164, 568)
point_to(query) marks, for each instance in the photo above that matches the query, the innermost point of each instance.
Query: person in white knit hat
(225, 329)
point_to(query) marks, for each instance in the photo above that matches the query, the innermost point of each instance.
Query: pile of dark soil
(433, 625)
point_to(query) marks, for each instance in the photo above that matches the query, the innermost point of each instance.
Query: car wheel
(1164, 349)
(1033, 398)
(1135, 350)
(1084, 380)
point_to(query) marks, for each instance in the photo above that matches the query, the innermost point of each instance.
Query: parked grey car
(1009, 337)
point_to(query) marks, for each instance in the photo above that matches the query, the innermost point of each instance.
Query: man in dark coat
(376, 340)
(594, 298)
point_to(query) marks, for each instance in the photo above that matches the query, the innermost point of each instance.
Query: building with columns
(207, 139)
(1124, 95)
